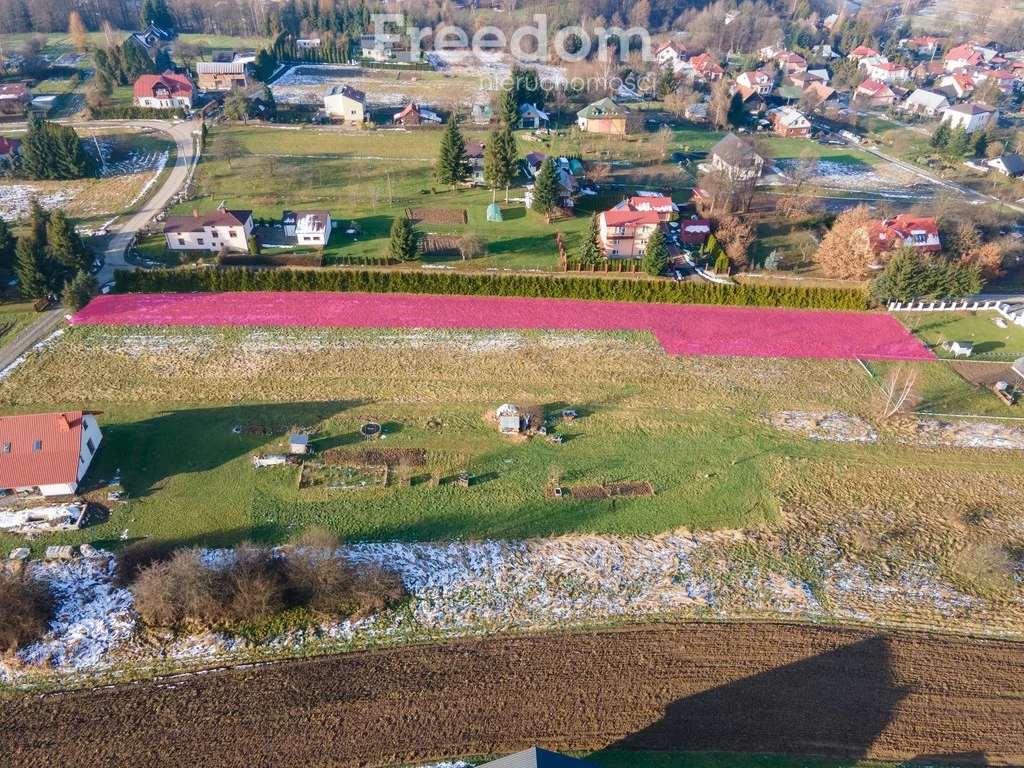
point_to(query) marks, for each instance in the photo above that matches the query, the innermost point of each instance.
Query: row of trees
(459, 284)
(54, 152)
(50, 258)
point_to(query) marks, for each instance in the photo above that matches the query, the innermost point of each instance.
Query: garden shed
(509, 419)
(298, 443)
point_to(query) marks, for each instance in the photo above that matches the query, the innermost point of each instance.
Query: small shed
(298, 443)
(509, 420)
(961, 348)
(494, 212)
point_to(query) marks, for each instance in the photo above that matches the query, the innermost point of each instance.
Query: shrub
(534, 286)
(26, 607)
(136, 557)
(257, 585)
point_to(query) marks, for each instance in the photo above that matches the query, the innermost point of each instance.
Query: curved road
(124, 229)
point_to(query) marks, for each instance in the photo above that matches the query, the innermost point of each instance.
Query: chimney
(195, 213)
(62, 423)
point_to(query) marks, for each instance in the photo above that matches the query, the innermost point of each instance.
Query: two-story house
(210, 231)
(165, 91)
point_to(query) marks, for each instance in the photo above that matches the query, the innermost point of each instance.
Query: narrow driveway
(123, 230)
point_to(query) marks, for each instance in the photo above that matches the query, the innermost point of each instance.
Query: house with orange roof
(862, 52)
(706, 68)
(47, 453)
(918, 232)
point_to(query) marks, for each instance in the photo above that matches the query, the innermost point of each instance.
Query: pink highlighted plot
(681, 329)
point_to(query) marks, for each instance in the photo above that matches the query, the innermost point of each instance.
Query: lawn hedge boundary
(234, 279)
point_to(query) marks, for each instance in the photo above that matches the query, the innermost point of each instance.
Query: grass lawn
(990, 341)
(172, 399)
(15, 316)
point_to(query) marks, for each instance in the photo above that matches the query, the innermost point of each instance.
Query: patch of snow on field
(93, 616)
(465, 588)
(14, 199)
(159, 165)
(857, 176)
(967, 434)
(832, 427)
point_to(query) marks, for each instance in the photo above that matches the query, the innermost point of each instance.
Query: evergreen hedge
(233, 279)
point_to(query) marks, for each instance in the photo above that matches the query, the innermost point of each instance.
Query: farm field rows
(690, 330)
(763, 688)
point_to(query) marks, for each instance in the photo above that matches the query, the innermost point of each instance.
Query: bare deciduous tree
(898, 391)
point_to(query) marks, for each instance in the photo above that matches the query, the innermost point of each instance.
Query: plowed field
(747, 688)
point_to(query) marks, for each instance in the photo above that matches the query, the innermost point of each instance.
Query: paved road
(123, 230)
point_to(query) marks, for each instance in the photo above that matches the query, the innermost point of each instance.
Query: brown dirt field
(733, 687)
(984, 374)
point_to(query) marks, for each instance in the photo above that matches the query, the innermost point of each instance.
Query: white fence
(1014, 316)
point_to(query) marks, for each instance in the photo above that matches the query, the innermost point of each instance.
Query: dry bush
(316, 538)
(983, 568)
(26, 607)
(184, 588)
(376, 588)
(136, 557)
(256, 584)
(321, 581)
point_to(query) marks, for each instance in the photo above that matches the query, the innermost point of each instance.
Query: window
(200, 241)
(7, 447)
(181, 241)
(232, 233)
(37, 446)
(213, 233)
(919, 237)
(90, 445)
(615, 252)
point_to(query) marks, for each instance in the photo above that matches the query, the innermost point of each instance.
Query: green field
(990, 341)
(183, 411)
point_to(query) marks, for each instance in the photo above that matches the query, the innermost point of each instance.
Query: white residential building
(210, 231)
(973, 117)
(927, 103)
(307, 227)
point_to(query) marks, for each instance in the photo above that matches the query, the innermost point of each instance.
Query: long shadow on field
(150, 451)
(833, 704)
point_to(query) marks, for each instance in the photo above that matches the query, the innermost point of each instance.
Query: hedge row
(132, 112)
(534, 286)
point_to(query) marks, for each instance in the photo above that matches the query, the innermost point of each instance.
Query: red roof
(411, 109)
(670, 44)
(863, 50)
(920, 231)
(55, 462)
(9, 145)
(965, 53)
(872, 87)
(647, 203)
(614, 218)
(176, 85)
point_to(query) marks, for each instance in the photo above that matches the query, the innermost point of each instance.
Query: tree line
(54, 152)
(236, 279)
(50, 258)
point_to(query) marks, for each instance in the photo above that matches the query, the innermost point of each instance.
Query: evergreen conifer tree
(655, 253)
(452, 162)
(402, 245)
(31, 268)
(64, 245)
(509, 107)
(79, 291)
(590, 250)
(7, 244)
(545, 189)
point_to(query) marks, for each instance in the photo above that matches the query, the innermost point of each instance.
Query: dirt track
(759, 688)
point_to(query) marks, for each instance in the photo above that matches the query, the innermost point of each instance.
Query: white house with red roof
(706, 67)
(759, 82)
(960, 84)
(660, 204)
(210, 231)
(670, 54)
(874, 94)
(165, 91)
(911, 231)
(887, 72)
(47, 452)
(967, 55)
(862, 52)
(624, 232)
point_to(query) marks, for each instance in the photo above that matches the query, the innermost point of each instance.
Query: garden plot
(307, 84)
(15, 198)
(492, 69)
(469, 588)
(884, 179)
